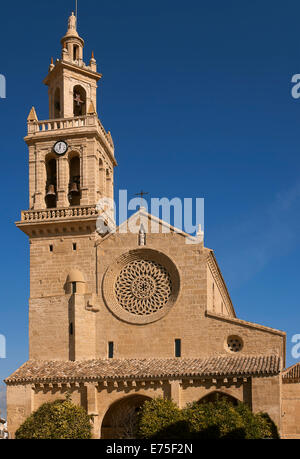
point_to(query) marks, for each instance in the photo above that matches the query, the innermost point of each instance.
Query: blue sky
(197, 96)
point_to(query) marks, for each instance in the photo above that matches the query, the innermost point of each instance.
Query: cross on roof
(142, 194)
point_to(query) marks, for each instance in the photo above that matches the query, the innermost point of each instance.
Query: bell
(74, 188)
(51, 191)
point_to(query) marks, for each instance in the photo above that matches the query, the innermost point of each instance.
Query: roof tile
(100, 370)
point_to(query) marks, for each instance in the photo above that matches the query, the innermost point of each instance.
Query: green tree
(215, 420)
(159, 418)
(61, 420)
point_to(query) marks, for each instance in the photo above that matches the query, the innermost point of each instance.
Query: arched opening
(79, 101)
(74, 184)
(101, 177)
(216, 396)
(57, 104)
(51, 196)
(75, 53)
(108, 184)
(120, 421)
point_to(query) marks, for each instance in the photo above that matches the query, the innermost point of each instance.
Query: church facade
(119, 318)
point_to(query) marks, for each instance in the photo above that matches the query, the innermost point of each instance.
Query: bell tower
(79, 171)
(71, 164)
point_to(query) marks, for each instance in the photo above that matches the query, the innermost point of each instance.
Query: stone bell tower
(82, 171)
(71, 163)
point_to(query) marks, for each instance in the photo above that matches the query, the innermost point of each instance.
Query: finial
(93, 57)
(32, 115)
(51, 67)
(91, 110)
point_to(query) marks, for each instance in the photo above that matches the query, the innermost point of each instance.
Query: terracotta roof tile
(100, 370)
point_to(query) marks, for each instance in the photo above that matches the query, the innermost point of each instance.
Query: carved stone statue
(72, 22)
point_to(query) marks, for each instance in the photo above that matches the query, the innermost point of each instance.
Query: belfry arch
(79, 103)
(74, 179)
(51, 181)
(120, 420)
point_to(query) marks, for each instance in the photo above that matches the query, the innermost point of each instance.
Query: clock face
(60, 147)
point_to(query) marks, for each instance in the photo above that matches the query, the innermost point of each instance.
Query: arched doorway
(120, 421)
(217, 396)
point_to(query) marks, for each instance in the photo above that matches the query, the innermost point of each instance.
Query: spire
(72, 43)
(32, 115)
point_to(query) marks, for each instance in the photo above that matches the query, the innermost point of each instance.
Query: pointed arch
(120, 419)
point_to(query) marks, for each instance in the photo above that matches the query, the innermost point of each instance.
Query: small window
(111, 350)
(177, 347)
(75, 53)
(71, 329)
(74, 287)
(51, 248)
(74, 247)
(234, 344)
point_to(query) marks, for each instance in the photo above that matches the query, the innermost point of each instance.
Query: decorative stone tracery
(141, 286)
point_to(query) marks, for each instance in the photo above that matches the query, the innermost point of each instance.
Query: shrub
(215, 420)
(58, 420)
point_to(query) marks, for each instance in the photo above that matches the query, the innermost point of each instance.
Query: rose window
(234, 344)
(143, 287)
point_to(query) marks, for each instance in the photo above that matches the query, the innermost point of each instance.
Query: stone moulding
(217, 275)
(58, 214)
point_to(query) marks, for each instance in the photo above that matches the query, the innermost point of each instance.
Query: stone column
(92, 408)
(40, 181)
(62, 182)
(175, 392)
(83, 174)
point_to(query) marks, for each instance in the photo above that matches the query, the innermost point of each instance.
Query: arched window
(57, 104)
(74, 186)
(51, 196)
(79, 101)
(75, 53)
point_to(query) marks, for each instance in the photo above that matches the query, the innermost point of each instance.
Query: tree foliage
(215, 420)
(59, 420)
(159, 418)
